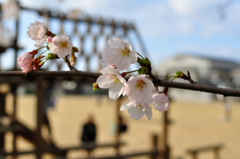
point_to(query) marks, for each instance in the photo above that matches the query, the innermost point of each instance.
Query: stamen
(124, 52)
(139, 85)
(139, 106)
(115, 80)
(37, 30)
(63, 44)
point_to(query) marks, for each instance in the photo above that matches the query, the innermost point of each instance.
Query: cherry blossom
(25, 61)
(160, 101)
(136, 110)
(61, 46)
(139, 89)
(119, 53)
(37, 31)
(113, 80)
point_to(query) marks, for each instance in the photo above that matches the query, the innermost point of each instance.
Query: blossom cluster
(56, 47)
(117, 57)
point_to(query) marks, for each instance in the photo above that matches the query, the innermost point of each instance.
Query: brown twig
(190, 78)
(194, 87)
(69, 64)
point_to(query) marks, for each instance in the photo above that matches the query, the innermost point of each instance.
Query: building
(204, 70)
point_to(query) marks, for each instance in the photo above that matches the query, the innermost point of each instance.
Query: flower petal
(40, 41)
(126, 106)
(147, 97)
(109, 70)
(104, 81)
(115, 43)
(115, 91)
(133, 57)
(135, 113)
(148, 111)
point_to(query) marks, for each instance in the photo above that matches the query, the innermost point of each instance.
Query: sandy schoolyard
(193, 125)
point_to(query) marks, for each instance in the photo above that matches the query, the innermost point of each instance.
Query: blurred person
(122, 126)
(227, 109)
(89, 133)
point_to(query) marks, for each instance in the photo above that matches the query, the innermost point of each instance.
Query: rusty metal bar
(154, 139)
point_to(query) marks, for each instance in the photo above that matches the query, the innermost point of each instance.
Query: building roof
(217, 62)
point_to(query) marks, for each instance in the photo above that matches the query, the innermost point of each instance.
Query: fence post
(154, 139)
(194, 155)
(2, 140)
(2, 114)
(3, 105)
(14, 114)
(166, 149)
(40, 111)
(117, 135)
(216, 153)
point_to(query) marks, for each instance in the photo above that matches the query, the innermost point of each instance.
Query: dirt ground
(193, 125)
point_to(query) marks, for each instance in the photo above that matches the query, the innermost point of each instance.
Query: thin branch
(69, 64)
(199, 87)
(190, 78)
(157, 82)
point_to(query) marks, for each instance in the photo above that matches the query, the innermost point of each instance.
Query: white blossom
(136, 110)
(113, 80)
(160, 101)
(139, 89)
(119, 53)
(37, 31)
(61, 46)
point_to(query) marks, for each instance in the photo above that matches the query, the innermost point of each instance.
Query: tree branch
(195, 87)
(69, 64)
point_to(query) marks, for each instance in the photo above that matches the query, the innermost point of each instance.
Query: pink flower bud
(34, 52)
(49, 39)
(37, 66)
(25, 62)
(36, 61)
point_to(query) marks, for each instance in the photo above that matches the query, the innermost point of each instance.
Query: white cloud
(158, 18)
(185, 7)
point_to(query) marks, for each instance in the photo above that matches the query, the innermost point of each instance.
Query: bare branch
(194, 87)
(190, 78)
(69, 64)
(198, 87)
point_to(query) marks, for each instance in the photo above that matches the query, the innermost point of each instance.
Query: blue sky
(168, 27)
